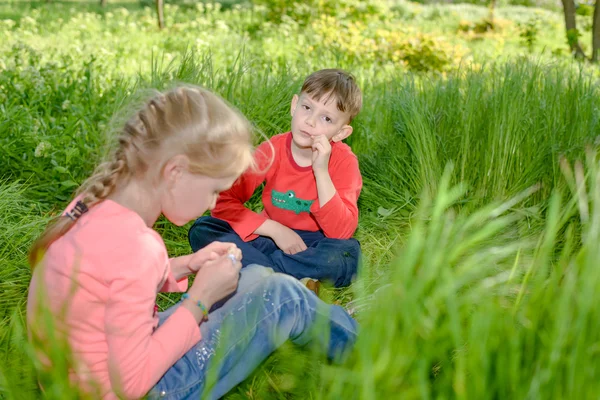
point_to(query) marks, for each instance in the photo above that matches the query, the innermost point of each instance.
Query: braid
(105, 179)
(125, 158)
(186, 120)
(101, 184)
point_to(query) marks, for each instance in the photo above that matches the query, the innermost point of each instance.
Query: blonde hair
(186, 120)
(337, 83)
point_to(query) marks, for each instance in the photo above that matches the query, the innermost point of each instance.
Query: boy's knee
(348, 247)
(351, 250)
(354, 246)
(351, 255)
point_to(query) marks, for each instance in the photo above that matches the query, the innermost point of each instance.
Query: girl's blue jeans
(268, 309)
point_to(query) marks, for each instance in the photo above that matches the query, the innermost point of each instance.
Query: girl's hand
(212, 252)
(216, 279)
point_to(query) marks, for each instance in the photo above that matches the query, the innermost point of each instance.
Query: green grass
(474, 210)
(123, 36)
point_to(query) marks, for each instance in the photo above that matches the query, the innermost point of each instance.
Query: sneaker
(311, 284)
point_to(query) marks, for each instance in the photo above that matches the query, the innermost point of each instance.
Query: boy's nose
(310, 121)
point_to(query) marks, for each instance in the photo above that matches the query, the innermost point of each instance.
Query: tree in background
(492, 9)
(160, 13)
(596, 33)
(570, 12)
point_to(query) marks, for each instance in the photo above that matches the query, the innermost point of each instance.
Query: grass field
(481, 199)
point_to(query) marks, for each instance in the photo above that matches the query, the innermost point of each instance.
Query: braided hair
(186, 120)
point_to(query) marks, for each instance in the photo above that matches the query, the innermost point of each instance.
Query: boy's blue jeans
(325, 259)
(267, 309)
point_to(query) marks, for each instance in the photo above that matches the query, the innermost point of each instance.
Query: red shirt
(290, 194)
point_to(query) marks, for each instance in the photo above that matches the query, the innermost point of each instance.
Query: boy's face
(312, 118)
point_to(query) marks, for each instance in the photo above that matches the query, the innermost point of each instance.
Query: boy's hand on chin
(321, 151)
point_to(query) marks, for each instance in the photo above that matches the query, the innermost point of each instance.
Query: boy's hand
(288, 240)
(285, 238)
(321, 149)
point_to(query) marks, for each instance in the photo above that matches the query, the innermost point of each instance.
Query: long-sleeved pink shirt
(107, 271)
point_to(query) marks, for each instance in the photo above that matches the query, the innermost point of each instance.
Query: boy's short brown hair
(338, 83)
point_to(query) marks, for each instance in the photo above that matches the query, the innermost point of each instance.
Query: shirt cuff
(177, 322)
(246, 229)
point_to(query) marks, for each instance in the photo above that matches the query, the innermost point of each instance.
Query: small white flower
(42, 149)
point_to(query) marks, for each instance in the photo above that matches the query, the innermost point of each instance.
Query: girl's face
(187, 196)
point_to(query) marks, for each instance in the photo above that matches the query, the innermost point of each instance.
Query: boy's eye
(328, 120)
(305, 107)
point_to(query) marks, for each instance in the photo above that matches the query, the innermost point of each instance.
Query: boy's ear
(342, 134)
(294, 104)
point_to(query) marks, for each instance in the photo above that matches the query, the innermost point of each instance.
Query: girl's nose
(214, 203)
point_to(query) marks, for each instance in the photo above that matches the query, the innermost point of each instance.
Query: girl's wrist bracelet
(198, 303)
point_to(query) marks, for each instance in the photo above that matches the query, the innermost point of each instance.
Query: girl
(100, 266)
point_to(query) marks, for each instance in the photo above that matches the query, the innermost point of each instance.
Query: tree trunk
(492, 8)
(102, 3)
(596, 33)
(159, 12)
(571, 25)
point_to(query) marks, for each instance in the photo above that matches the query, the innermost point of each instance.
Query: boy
(310, 194)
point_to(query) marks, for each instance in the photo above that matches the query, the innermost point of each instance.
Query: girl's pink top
(101, 280)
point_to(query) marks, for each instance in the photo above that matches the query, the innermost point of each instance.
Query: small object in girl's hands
(232, 258)
(231, 254)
